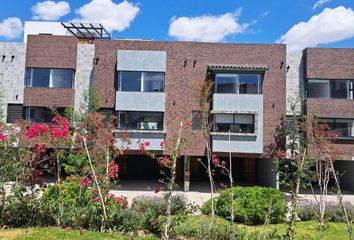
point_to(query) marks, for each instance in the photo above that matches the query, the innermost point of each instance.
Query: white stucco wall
(12, 73)
(84, 72)
(295, 85)
(40, 27)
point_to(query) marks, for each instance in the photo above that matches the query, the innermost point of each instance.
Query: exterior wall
(155, 139)
(12, 73)
(181, 78)
(51, 51)
(295, 84)
(329, 63)
(240, 103)
(49, 97)
(131, 60)
(334, 64)
(84, 73)
(140, 101)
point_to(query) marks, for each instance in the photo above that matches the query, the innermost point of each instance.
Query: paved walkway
(199, 191)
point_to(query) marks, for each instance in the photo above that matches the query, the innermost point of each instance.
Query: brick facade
(49, 97)
(181, 80)
(336, 64)
(51, 51)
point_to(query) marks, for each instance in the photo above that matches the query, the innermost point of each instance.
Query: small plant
(251, 205)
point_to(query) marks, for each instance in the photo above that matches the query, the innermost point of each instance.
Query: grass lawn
(58, 233)
(307, 230)
(304, 230)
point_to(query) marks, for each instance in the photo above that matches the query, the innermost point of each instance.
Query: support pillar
(186, 173)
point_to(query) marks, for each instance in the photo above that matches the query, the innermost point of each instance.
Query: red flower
(2, 137)
(162, 144)
(113, 170)
(215, 160)
(37, 129)
(147, 144)
(95, 199)
(142, 148)
(39, 172)
(188, 124)
(158, 189)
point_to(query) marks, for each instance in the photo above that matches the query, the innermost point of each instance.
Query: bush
(252, 205)
(308, 210)
(151, 211)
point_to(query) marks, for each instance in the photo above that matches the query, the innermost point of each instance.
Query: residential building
(151, 86)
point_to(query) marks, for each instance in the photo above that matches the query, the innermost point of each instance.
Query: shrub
(308, 210)
(252, 205)
(158, 204)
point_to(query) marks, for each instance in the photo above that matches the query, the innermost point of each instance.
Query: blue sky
(326, 23)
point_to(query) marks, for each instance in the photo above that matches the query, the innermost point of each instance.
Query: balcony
(135, 136)
(140, 101)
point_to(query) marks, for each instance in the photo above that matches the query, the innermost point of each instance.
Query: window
(341, 126)
(236, 123)
(42, 114)
(141, 81)
(238, 83)
(140, 120)
(50, 78)
(330, 89)
(196, 119)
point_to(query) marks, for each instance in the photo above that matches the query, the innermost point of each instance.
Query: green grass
(62, 234)
(193, 226)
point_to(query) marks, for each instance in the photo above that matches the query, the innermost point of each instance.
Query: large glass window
(236, 123)
(140, 120)
(50, 78)
(238, 83)
(341, 126)
(330, 89)
(42, 114)
(141, 81)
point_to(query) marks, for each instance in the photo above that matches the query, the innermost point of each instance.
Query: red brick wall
(49, 97)
(334, 108)
(51, 51)
(329, 63)
(324, 63)
(181, 81)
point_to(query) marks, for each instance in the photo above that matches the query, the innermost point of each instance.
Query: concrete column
(186, 173)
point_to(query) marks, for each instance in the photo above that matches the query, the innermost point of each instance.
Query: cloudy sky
(299, 23)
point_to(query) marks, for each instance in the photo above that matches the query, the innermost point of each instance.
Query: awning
(237, 67)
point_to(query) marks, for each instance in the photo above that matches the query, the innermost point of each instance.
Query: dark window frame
(351, 88)
(234, 117)
(159, 128)
(334, 123)
(236, 74)
(29, 77)
(50, 113)
(119, 81)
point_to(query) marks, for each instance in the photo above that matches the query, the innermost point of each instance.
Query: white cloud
(50, 10)
(113, 16)
(319, 3)
(206, 28)
(11, 28)
(331, 25)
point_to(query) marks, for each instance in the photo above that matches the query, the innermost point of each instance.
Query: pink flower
(2, 137)
(162, 144)
(147, 144)
(158, 189)
(222, 185)
(215, 161)
(39, 172)
(188, 124)
(95, 199)
(223, 163)
(142, 148)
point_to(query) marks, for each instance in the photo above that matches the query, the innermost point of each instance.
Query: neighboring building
(151, 87)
